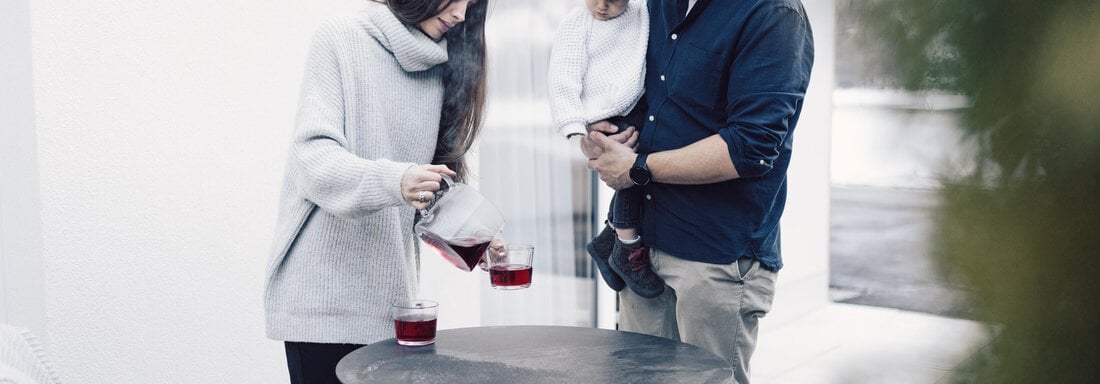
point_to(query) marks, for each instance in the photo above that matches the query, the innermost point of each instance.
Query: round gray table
(534, 354)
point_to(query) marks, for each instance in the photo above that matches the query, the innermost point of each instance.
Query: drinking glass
(414, 321)
(512, 268)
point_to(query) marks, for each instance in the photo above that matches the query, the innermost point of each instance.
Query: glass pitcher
(459, 224)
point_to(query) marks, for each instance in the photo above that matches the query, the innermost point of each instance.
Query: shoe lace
(639, 259)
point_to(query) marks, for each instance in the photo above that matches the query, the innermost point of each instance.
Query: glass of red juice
(414, 321)
(511, 269)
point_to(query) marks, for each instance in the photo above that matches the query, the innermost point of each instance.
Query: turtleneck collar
(414, 50)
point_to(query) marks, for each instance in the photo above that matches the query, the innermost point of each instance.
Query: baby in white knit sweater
(597, 65)
(597, 72)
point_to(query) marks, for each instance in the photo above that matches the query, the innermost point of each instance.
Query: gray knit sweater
(344, 248)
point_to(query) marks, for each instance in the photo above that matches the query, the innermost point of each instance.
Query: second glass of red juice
(512, 270)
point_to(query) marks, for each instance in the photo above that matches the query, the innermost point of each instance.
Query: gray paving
(882, 252)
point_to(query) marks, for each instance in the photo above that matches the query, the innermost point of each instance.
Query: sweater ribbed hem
(333, 329)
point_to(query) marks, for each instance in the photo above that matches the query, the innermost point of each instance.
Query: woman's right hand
(419, 183)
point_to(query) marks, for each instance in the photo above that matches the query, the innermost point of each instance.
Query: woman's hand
(498, 250)
(419, 183)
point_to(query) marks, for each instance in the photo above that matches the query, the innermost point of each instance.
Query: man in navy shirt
(725, 82)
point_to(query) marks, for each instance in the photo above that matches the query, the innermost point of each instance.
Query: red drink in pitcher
(463, 252)
(470, 249)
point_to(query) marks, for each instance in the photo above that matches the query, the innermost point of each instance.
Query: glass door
(539, 181)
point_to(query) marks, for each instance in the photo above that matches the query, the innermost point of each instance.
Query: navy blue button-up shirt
(739, 69)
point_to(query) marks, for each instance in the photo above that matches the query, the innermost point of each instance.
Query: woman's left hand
(498, 250)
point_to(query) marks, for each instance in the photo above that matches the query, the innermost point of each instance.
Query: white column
(804, 280)
(22, 301)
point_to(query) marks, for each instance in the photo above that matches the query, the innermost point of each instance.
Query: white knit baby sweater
(344, 247)
(597, 68)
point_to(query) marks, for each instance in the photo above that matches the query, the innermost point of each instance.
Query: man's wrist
(639, 172)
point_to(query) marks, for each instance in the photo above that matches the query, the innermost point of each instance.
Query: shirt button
(651, 118)
(662, 77)
(761, 162)
(674, 36)
(648, 197)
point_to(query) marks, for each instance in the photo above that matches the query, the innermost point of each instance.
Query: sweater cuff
(386, 179)
(572, 128)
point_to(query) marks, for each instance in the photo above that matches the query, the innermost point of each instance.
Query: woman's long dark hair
(463, 77)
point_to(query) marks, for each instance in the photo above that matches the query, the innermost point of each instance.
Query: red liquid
(416, 332)
(511, 275)
(467, 250)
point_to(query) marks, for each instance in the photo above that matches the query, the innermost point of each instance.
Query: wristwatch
(639, 173)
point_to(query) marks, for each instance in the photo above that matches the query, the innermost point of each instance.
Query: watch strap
(639, 173)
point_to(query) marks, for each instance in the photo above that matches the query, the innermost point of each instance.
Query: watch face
(639, 175)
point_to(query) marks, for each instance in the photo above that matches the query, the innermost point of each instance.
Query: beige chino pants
(713, 306)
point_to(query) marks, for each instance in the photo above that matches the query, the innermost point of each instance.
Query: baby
(597, 70)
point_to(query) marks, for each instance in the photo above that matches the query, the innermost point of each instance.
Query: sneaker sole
(613, 280)
(641, 291)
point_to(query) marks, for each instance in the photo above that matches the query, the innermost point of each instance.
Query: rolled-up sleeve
(767, 85)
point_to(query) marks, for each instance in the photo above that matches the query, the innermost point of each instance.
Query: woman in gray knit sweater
(392, 98)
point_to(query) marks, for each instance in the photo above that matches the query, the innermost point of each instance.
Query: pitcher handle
(444, 186)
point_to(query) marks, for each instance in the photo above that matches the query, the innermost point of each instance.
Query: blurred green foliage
(1024, 227)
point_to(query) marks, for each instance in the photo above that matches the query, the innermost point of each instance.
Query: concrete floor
(882, 252)
(897, 318)
(851, 344)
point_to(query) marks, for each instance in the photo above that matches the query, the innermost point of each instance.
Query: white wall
(162, 129)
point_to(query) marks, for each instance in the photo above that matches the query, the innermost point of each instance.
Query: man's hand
(604, 127)
(614, 161)
(591, 150)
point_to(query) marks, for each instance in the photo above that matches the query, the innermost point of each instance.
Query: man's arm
(766, 87)
(702, 162)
